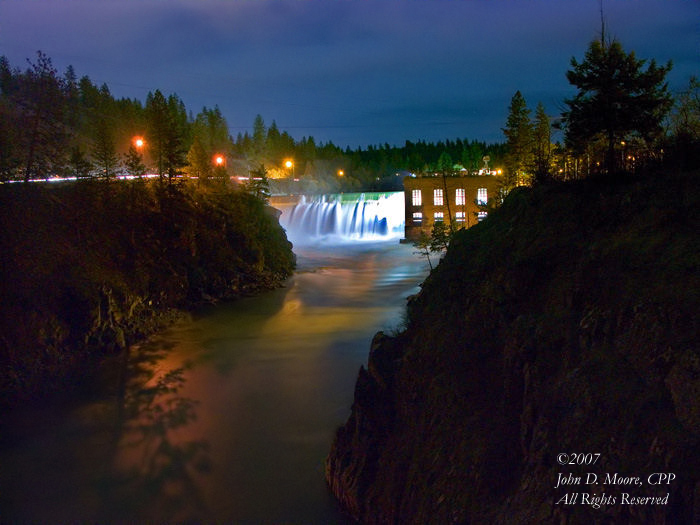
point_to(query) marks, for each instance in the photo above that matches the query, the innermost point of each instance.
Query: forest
(59, 125)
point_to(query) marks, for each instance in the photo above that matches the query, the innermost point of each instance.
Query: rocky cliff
(566, 323)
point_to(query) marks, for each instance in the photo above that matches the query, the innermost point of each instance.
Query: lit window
(417, 217)
(439, 217)
(416, 196)
(482, 215)
(437, 197)
(481, 196)
(460, 216)
(460, 198)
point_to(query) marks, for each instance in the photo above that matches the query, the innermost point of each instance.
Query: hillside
(565, 323)
(88, 268)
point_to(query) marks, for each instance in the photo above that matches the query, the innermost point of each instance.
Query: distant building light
(437, 198)
(482, 197)
(416, 198)
(439, 216)
(482, 215)
(460, 216)
(417, 217)
(460, 197)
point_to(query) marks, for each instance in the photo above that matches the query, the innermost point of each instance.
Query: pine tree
(617, 99)
(209, 137)
(78, 164)
(259, 137)
(39, 100)
(176, 138)
(157, 115)
(104, 151)
(168, 133)
(133, 162)
(258, 184)
(518, 132)
(541, 146)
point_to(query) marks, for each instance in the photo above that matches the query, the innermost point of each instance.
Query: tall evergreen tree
(158, 122)
(259, 184)
(78, 164)
(133, 162)
(168, 133)
(209, 137)
(518, 132)
(617, 99)
(39, 99)
(259, 137)
(541, 145)
(104, 151)
(177, 137)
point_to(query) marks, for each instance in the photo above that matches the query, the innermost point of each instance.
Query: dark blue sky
(355, 72)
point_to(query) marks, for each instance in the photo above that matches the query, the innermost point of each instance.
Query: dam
(343, 217)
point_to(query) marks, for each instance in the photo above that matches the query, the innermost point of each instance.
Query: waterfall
(345, 217)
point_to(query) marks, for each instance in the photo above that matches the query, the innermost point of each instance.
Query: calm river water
(225, 418)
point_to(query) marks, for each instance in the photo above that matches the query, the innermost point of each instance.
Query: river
(226, 417)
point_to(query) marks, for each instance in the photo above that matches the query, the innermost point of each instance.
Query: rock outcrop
(564, 324)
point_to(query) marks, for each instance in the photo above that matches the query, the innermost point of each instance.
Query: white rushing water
(345, 217)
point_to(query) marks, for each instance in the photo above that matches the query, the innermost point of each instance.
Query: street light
(139, 143)
(341, 173)
(289, 164)
(219, 160)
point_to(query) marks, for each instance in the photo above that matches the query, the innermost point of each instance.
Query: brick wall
(427, 204)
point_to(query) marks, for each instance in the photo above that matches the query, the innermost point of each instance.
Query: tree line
(54, 124)
(622, 118)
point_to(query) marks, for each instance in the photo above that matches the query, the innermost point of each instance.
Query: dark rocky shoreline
(90, 268)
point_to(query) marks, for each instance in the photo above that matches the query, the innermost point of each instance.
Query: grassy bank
(88, 268)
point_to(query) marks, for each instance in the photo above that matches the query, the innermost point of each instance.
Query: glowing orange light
(139, 142)
(289, 164)
(219, 160)
(341, 173)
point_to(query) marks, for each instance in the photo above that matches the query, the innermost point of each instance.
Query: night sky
(355, 72)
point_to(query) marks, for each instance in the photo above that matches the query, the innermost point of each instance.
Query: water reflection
(227, 417)
(156, 464)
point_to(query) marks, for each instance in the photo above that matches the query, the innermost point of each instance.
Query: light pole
(219, 164)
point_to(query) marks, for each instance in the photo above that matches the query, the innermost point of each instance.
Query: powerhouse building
(460, 200)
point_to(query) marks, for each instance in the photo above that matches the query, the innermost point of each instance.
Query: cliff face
(565, 323)
(88, 268)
